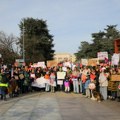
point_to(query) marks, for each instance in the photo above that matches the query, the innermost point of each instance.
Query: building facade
(60, 57)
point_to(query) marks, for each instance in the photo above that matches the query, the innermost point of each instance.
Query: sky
(69, 21)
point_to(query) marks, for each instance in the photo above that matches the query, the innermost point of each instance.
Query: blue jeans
(113, 94)
(80, 84)
(83, 88)
(75, 86)
(103, 91)
(47, 87)
(3, 93)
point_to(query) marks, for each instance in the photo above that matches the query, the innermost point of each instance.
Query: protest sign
(67, 64)
(32, 75)
(51, 63)
(61, 75)
(60, 82)
(41, 64)
(115, 59)
(102, 55)
(115, 77)
(84, 62)
(93, 61)
(64, 69)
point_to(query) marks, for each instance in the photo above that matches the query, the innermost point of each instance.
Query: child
(47, 78)
(52, 81)
(67, 85)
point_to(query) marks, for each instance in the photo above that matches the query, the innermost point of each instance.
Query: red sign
(117, 46)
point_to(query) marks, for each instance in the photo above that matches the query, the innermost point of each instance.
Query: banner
(39, 82)
(39, 64)
(39, 86)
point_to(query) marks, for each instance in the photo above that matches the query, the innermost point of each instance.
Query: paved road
(58, 106)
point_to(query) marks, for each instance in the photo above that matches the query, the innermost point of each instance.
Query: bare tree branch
(7, 41)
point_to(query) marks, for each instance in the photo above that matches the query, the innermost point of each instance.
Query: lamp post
(23, 44)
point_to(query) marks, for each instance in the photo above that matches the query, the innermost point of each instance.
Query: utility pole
(23, 43)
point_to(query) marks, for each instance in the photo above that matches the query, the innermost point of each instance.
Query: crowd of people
(93, 82)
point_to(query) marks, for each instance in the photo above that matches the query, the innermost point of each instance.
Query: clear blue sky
(69, 21)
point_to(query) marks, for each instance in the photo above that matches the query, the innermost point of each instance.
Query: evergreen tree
(101, 42)
(38, 43)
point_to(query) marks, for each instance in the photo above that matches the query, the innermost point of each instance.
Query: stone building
(59, 57)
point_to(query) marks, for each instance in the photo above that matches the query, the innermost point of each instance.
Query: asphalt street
(58, 106)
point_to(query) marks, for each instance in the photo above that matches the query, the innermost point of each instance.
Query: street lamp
(23, 44)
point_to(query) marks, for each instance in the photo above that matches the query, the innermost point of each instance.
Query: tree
(38, 43)
(101, 41)
(111, 34)
(84, 50)
(8, 47)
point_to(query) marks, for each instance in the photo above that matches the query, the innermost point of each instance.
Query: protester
(103, 83)
(75, 76)
(60, 79)
(3, 86)
(47, 84)
(87, 90)
(76, 80)
(52, 81)
(67, 84)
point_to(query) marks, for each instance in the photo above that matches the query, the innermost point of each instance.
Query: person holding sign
(75, 75)
(103, 82)
(60, 78)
